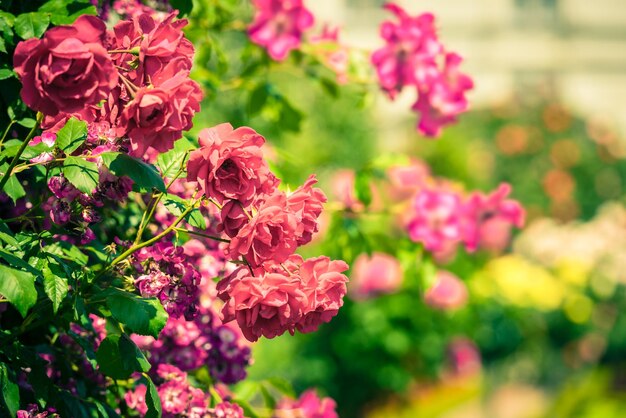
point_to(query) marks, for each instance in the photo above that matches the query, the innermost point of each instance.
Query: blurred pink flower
(410, 50)
(333, 54)
(464, 357)
(405, 180)
(278, 26)
(309, 405)
(448, 292)
(443, 97)
(343, 189)
(490, 218)
(378, 274)
(437, 218)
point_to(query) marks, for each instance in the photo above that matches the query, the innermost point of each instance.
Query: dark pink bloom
(230, 164)
(158, 114)
(443, 98)
(448, 292)
(306, 202)
(66, 70)
(378, 274)
(438, 218)
(410, 51)
(309, 405)
(489, 219)
(271, 235)
(278, 26)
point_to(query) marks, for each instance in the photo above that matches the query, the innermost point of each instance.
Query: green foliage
(176, 206)
(144, 316)
(72, 135)
(173, 161)
(31, 25)
(118, 357)
(18, 287)
(81, 173)
(145, 176)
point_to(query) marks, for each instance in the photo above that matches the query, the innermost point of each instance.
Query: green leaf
(27, 122)
(54, 284)
(31, 25)
(72, 135)
(5, 72)
(183, 6)
(81, 173)
(258, 98)
(118, 357)
(153, 402)
(9, 392)
(65, 12)
(144, 175)
(13, 188)
(144, 316)
(362, 187)
(290, 117)
(177, 205)
(170, 162)
(18, 287)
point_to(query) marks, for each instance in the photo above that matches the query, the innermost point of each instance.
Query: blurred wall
(575, 49)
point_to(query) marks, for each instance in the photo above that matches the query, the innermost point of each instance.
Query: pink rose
(271, 235)
(234, 217)
(68, 69)
(158, 115)
(230, 164)
(378, 274)
(325, 286)
(278, 26)
(306, 202)
(263, 305)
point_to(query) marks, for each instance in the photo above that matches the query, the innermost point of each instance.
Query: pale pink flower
(448, 292)
(343, 189)
(47, 138)
(278, 26)
(438, 218)
(376, 274)
(405, 180)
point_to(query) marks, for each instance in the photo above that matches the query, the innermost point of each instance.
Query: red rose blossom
(66, 70)
(230, 164)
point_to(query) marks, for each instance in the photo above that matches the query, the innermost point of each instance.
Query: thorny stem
(30, 136)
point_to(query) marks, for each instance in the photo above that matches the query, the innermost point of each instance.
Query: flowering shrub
(140, 254)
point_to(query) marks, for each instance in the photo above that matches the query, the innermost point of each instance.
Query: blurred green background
(543, 332)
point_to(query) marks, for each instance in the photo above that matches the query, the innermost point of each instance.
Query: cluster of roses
(276, 290)
(205, 341)
(165, 273)
(414, 56)
(179, 398)
(131, 83)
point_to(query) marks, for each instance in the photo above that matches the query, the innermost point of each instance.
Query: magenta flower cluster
(443, 217)
(275, 291)
(205, 341)
(413, 56)
(164, 272)
(179, 398)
